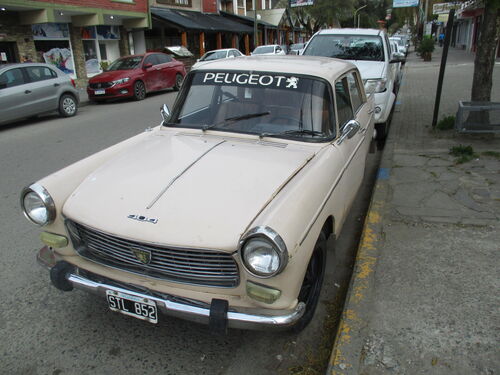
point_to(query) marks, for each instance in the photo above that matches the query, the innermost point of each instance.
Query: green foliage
(493, 154)
(463, 153)
(426, 45)
(104, 65)
(446, 123)
(324, 13)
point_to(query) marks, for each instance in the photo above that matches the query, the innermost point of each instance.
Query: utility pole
(355, 12)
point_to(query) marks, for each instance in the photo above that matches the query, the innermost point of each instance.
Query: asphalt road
(46, 331)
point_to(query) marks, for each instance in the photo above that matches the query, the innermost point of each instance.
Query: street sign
(404, 3)
(300, 3)
(444, 8)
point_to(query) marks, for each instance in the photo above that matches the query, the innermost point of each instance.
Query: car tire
(178, 82)
(139, 90)
(313, 281)
(67, 105)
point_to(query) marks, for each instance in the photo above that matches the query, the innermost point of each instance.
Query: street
(46, 331)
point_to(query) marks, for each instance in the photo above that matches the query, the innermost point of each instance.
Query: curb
(347, 350)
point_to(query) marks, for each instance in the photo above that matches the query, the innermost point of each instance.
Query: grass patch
(446, 123)
(493, 154)
(463, 153)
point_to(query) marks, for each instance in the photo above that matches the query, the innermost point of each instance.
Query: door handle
(56, 84)
(362, 131)
(27, 91)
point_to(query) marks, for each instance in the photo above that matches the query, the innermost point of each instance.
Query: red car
(135, 76)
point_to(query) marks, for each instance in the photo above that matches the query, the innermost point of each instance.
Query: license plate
(99, 92)
(138, 307)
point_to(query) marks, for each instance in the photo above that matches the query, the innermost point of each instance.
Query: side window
(344, 108)
(11, 78)
(233, 53)
(356, 96)
(163, 59)
(40, 73)
(151, 59)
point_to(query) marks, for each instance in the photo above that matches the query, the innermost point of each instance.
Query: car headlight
(263, 252)
(37, 205)
(120, 81)
(375, 85)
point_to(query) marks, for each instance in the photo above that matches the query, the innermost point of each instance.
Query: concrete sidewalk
(424, 295)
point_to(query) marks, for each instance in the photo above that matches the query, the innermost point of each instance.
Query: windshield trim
(326, 35)
(187, 83)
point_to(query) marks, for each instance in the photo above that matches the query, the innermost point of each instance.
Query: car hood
(370, 69)
(111, 76)
(202, 191)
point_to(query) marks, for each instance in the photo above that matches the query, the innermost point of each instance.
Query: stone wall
(12, 31)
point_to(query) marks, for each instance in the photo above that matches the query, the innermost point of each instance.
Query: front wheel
(178, 82)
(67, 105)
(313, 281)
(139, 90)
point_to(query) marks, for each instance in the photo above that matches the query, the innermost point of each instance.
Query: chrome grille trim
(200, 267)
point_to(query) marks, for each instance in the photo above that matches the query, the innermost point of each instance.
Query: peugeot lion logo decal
(143, 256)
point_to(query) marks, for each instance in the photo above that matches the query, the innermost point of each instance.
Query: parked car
(401, 44)
(32, 89)
(271, 49)
(135, 76)
(369, 50)
(401, 58)
(221, 214)
(296, 49)
(217, 54)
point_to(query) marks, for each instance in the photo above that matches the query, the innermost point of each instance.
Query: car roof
(268, 45)
(351, 31)
(323, 67)
(11, 65)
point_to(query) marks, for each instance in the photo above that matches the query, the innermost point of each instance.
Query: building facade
(79, 37)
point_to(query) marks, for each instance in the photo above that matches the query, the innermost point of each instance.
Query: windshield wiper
(294, 132)
(230, 120)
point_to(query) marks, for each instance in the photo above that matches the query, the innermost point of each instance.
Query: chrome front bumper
(177, 307)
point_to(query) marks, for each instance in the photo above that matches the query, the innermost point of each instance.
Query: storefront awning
(190, 20)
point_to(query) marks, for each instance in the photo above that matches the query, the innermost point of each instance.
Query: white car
(402, 47)
(217, 54)
(369, 50)
(271, 49)
(221, 214)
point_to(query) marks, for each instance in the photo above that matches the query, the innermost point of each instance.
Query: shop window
(40, 73)
(102, 49)
(57, 53)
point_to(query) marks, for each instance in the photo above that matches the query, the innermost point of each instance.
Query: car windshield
(263, 49)
(266, 104)
(347, 47)
(126, 63)
(296, 46)
(215, 55)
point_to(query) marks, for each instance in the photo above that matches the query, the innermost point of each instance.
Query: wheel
(313, 281)
(67, 105)
(381, 135)
(178, 82)
(139, 90)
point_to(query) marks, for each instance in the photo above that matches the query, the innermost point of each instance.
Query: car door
(152, 73)
(15, 99)
(44, 86)
(350, 142)
(167, 68)
(391, 68)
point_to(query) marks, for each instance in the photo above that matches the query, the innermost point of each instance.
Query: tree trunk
(485, 54)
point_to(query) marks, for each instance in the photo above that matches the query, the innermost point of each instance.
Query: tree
(485, 54)
(323, 13)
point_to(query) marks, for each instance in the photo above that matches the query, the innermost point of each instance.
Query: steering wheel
(231, 96)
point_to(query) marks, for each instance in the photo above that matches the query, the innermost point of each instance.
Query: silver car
(31, 89)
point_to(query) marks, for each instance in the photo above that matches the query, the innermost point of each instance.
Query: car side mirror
(349, 130)
(147, 66)
(165, 113)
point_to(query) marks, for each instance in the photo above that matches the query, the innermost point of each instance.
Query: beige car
(221, 214)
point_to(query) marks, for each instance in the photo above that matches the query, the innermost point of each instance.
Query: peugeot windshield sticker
(247, 79)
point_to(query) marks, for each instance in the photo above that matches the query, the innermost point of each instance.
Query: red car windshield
(126, 63)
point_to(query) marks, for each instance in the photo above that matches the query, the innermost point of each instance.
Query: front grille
(201, 267)
(100, 85)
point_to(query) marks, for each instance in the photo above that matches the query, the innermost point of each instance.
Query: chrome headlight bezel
(274, 240)
(45, 198)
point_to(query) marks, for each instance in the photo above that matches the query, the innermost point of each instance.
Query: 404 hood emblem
(143, 218)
